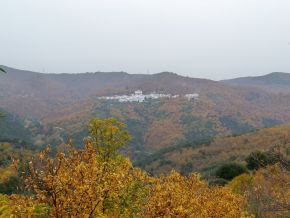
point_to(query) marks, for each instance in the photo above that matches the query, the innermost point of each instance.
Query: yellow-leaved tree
(267, 191)
(179, 196)
(107, 136)
(97, 181)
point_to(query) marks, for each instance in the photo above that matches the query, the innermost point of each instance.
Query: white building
(138, 92)
(138, 96)
(193, 96)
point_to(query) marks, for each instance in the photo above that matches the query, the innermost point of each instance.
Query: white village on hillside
(138, 96)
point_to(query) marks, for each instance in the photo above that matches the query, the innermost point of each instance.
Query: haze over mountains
(40, 94)
(273, 82)
(46, 93)
(60, 105)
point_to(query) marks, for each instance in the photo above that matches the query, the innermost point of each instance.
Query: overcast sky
(214, 39)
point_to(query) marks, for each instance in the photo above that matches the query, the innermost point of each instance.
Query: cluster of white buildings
(138, 96)
(191, 96)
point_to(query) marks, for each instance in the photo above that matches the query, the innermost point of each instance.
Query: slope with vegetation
(157, 124)
(97, 181)
(12, 128)
(207, 156)
(60, 105)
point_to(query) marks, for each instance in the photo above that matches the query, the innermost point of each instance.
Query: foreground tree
(108, 136)
(80, 184)
(93, 181)
(178, 196)
(267, 191)
(97, 181)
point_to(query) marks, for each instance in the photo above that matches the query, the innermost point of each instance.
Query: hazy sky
(214, 39)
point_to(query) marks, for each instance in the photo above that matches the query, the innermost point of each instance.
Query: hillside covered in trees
(144, 109)
(214, 156)
(97, 181)
(57, 107)
(207, 155)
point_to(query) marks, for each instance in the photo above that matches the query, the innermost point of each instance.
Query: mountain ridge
(272, 82)
(64, 104)
(49, 92)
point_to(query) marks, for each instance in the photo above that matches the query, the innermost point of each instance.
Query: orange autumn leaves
(97, 181)
(81, 184)
(179, 196)
(267, 191)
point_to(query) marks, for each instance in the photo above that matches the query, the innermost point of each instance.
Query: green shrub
(11, 186)
(230, 170)
(217, 182)
(260, 159)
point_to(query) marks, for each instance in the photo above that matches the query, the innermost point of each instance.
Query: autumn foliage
(97, 181)
(179, 196)
(267, 191)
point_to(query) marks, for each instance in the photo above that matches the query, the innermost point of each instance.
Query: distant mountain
(62, 104)
(36, 95)
(274, 82)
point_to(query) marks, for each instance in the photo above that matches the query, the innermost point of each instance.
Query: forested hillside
(144, 109)
(96, 180)
(207, 156)
(12, 127)
(156, 124)
(56, 107)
